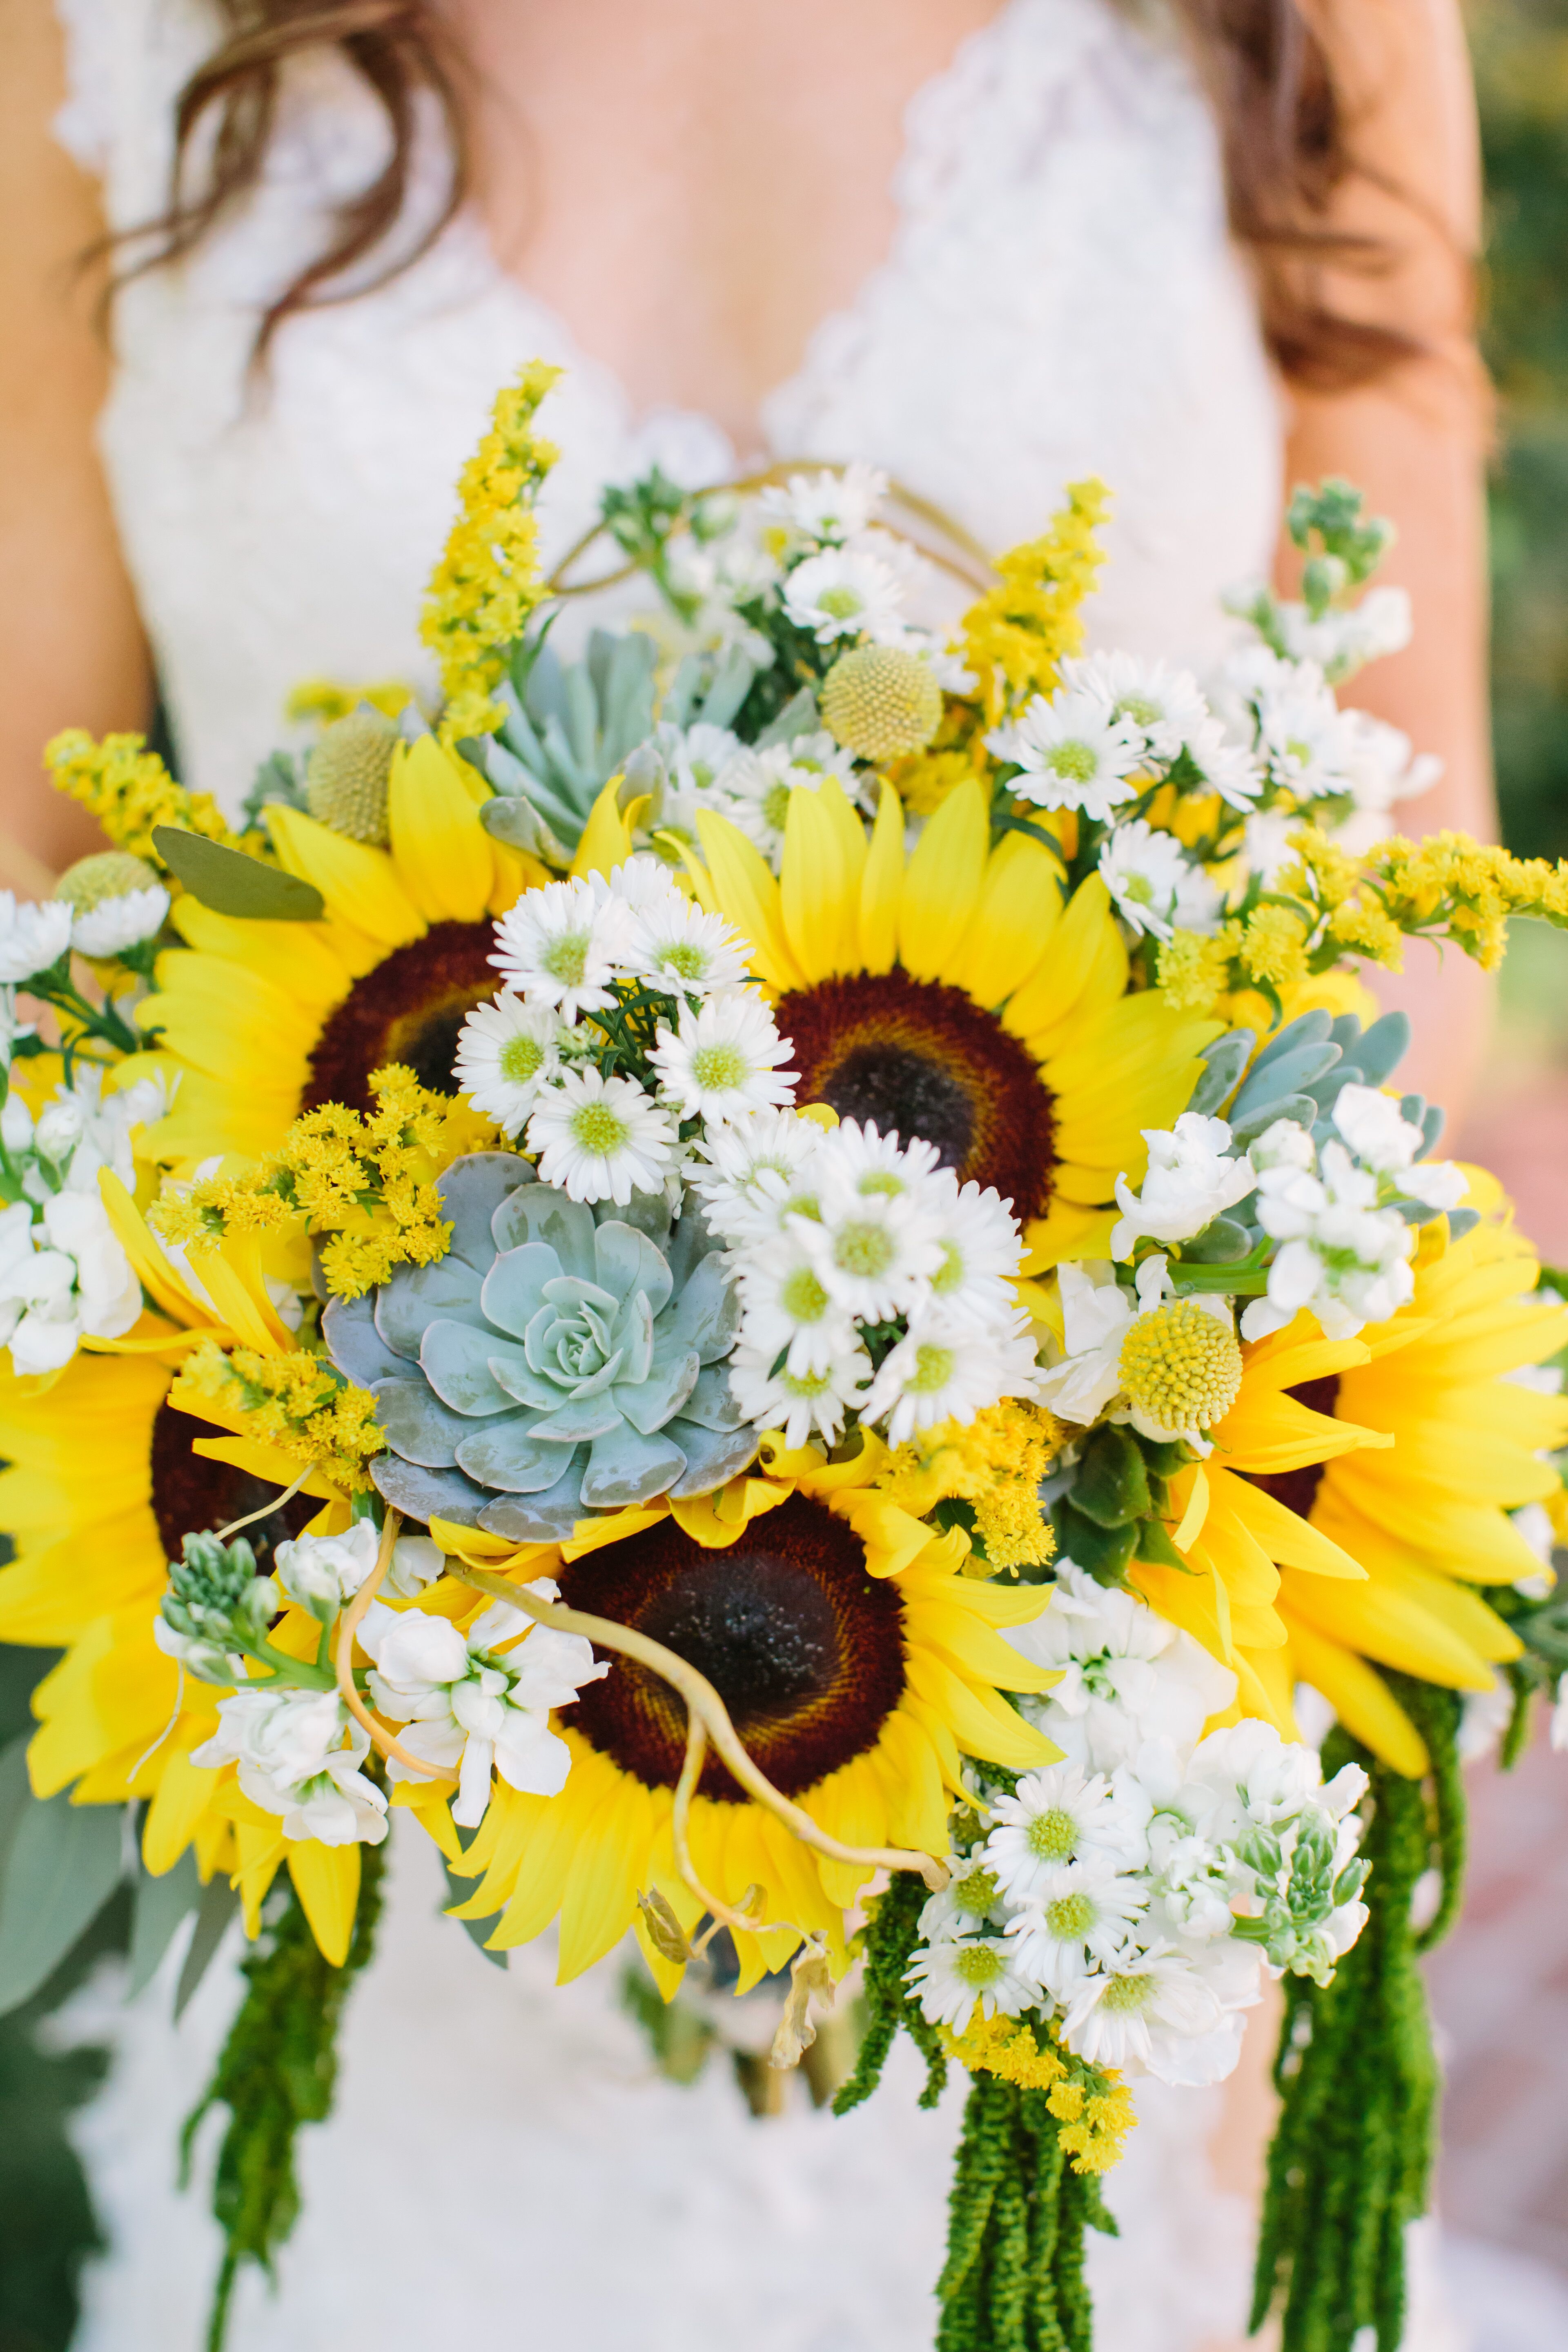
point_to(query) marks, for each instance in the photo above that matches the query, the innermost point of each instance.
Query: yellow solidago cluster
(368, 1181)
(1092, 2104)
(1016, 636)
(129, 790)
(323, 700)
(297, 1402)
(994, 1463)
(488, 583)
(924, 779)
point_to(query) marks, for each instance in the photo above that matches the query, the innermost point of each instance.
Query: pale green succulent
(557, 1361)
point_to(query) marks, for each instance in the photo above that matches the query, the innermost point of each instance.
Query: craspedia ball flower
(1181, 1365)
(107, 874)
(880, 702)
(347, 776)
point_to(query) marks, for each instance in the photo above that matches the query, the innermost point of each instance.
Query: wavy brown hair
(1284, 125)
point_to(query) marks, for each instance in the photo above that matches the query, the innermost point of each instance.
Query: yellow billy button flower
(881, 702)
(349, 774)
(1181, 1365)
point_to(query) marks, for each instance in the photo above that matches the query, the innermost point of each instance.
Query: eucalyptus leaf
(217, 1906)
(230, 883)
(63, 1866)
(799, 715)
(157, 1907)
(478, 1931)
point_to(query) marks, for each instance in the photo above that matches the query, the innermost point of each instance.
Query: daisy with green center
(740, 1154)
(601, 1139)
(787, 1309)
(954, 1979)
(875, 1242)
(1088, 1920)
(1059, 1817)
(945, 1369)
(847, 592)
(1072, 753)
(981, 1250)
(755, 790)
(970, 1902)
(723, 1060)
(507, 1052)
(1163, 704)
(808, 1403)
(562, 945)
(1156, 885)
(675, 944)
(1155, 2011)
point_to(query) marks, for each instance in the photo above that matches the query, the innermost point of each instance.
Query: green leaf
(63, 1866)
(1113, 1485)
(1105, 1553)
(218, 1905)
(157, 1907)
(230, 883)
(1155, 1547)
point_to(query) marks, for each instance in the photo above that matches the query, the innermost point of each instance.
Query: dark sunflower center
(1298, 1489)
(192, 1495)
(408, 1009)
(927, 1060)
(805, 1649)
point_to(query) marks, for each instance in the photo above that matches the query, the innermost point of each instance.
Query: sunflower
(1237, 1533)
(92, 1554)
(957, 993)
(1426, 1513)
(859, 1664)
(261, 1019)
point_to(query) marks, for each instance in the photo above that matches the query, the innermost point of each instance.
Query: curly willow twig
(353, 1616)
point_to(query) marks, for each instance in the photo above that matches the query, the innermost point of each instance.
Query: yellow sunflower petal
(360, 884)
(750, 898)
(1360, 1697)
(326, 1880)
(881, 884)
(441, 851)
(941, 882)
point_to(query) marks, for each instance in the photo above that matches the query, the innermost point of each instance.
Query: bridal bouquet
(772, 1278)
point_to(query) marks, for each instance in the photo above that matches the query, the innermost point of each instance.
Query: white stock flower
(1381, 768)
(1056, 1818)
(563, 944)
(1086, 1917)
(723, 1059)
(1128, 1676)
(116, 924)
(1156, 886)
(1163, 704)
(1343, 641)
(678, 945)
(474, 1704)
(298, 1754)
(1096, 1315)
(948, 1369)
(1341, 1256)
(506, 1050)
(33, 935)
(321, 1572)
(600, 1138)
(810, 1402)
(1384, 1140)
(62, 1278)
(954, 1978)
(847, 592)
(827, 507)
(1073, 754)
(1193, 1177)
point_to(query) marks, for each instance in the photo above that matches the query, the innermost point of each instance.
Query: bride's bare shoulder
(67, 622)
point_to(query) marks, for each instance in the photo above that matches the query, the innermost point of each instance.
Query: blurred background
(1500, 1984)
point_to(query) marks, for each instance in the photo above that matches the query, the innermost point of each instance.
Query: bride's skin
(693, 186)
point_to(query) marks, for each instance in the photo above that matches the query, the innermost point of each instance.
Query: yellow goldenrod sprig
(1092, 2104)
(130, 791)
(1014, 638)
(369, 1181)
(993, 1464)
(299, 1402)
(488, 581)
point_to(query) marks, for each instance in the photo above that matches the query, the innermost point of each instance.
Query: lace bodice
(1060, 298)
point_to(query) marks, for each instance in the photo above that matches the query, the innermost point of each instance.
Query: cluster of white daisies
(1135, 1891)
(870, 1279)
(627, 1031)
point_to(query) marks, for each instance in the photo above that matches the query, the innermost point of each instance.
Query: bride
(1201, 248)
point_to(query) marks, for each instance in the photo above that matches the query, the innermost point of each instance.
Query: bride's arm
(1416, 442)
(71, 644)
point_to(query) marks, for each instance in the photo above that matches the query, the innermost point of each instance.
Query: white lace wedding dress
(1060, 298)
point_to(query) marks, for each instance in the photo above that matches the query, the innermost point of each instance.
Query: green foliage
(278, 2070)
(889, 1937)
(1014, 2278)
(1351, 2160)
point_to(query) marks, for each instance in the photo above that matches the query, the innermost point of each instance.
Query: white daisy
(863, 1160)
(970, 1901)
(948, 1370)
(507, 1051)
(739, 1154)
(971, 1972)
(803, 1405)
(600, 1138)
(786, 1307)
(1141, 2011)
(754, 791)
(1154, 884)
(981, 1250)
(827, 507)
(643, 883)
(1073, 753)
(690, 952)
(1231, 768)
(1059, 1817)
(723, 1060)
(1086, 1918)
(562, 945)
(1163, 704)
(846, 593)
(116, 924)
(876, 1253)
